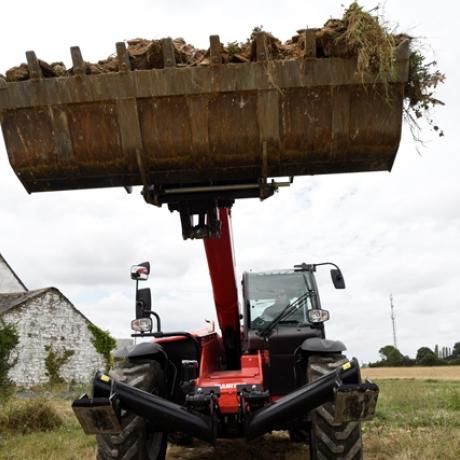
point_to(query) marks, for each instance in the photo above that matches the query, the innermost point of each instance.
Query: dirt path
(274, 447)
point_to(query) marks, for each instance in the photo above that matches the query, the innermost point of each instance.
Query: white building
(43, 318)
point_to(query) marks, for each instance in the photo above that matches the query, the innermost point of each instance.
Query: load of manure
(359, 34)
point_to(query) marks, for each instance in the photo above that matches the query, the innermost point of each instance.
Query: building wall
(8, 282)
(51, 319)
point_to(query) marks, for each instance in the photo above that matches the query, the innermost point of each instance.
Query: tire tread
(130, 443)
(328, 439)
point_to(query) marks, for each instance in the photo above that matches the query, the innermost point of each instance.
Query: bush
(8, 341)
(104, 343)
(54, 362)
(29, 416)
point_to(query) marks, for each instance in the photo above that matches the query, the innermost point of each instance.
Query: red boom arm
(221, 263)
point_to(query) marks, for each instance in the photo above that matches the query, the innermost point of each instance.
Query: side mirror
(337, 278)
(143, 303)
(140, 272)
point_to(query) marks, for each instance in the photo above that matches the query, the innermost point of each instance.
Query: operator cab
(282, 309)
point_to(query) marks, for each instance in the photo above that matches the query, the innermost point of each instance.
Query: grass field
(416, 419)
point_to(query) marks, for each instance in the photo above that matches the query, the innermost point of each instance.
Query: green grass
(415, 419)
(68, 442)
(416, 404)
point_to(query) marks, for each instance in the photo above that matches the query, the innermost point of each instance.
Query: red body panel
(212, 375)
(250, 374)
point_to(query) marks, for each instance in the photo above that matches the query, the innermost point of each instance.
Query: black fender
(144, 350)
(150, 351)
(313, 346)
(316, 345)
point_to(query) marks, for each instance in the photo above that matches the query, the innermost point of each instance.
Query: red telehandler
(197, 139)
(270, 373)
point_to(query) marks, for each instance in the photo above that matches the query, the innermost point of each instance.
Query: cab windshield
(270, 292)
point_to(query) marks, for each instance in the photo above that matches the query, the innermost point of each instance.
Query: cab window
(269, 293)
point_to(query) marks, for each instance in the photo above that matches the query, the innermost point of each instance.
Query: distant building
(45, 317)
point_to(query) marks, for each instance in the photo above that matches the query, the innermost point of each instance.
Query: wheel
(330, 440)
(136, 441)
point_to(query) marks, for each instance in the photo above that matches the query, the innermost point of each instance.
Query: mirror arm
(157, 317)
(329, 263)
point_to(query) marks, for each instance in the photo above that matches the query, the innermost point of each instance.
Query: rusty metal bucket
(220, 124)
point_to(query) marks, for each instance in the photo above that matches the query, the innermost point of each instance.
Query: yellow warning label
(105, 378)
(346, 366)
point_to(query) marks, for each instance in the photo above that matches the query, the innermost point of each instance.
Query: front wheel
(328, 439)
(137, 441)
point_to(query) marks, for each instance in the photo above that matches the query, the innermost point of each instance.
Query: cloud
(390, 233)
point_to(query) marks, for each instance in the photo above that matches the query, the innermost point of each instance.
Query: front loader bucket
(222, 124)
(329, 387)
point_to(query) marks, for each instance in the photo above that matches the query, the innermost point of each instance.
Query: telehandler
(197, 139)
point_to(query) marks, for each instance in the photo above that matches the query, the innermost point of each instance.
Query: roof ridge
(9, 301)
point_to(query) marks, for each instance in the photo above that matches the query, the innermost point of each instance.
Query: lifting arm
(221, 263)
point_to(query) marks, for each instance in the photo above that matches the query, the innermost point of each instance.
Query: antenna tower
(393, 321)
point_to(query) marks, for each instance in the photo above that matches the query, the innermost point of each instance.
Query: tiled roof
(9, 301)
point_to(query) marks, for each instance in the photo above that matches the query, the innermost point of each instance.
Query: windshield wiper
(287, 310)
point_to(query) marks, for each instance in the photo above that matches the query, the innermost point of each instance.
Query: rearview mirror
(140, 272)
(143, 303)
(337, 278)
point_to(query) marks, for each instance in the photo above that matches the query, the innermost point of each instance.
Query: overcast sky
(395, 232)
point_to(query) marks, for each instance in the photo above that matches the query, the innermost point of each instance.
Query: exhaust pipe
(96, 415)
(313, 395)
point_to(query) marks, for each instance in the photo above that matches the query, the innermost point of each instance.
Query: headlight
(318, 315)
(141, 325)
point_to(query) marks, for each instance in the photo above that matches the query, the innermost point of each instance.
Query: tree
(456, 350)
(391, 356)
(426, 357)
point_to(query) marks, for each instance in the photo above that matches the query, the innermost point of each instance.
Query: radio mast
(393, 321)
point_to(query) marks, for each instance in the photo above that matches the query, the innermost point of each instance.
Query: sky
(395, 232)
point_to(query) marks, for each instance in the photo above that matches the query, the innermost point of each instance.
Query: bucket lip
(275, 75)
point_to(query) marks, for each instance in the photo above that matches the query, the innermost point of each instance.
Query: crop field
(418, 417)
(415, 372)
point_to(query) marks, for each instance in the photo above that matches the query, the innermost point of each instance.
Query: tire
(330, 440)
(135, 442)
